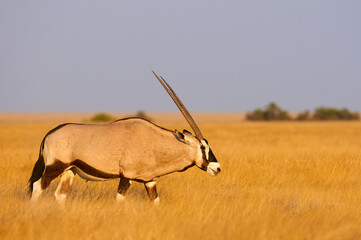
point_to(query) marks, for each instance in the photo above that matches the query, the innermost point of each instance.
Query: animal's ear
(186, 132)
(179, 136)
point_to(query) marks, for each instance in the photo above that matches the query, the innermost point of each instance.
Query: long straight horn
(181, 107)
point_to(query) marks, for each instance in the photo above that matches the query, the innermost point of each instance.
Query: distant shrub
(143, 115)
(102, 117)
(270, 112)
(274, 112)
(327, 113)
(140, 114)
(257, 114)
(303, 116)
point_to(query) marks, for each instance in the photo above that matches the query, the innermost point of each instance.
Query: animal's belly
(90, 173)
(88, 177)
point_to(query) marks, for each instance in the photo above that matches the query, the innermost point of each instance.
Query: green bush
(327, 113)
(102, 117)
(269, 113)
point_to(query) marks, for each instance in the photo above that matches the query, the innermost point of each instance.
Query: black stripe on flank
(58, 167)
(91, 170)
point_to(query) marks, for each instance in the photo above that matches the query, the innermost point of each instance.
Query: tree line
(273, 112)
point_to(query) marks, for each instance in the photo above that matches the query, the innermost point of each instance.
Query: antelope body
(129, 149)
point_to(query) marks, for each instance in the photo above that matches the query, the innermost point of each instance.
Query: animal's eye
(203, 147)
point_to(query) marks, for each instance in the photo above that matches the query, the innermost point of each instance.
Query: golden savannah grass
(279, 180)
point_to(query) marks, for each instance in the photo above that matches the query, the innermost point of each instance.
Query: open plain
(279, 180)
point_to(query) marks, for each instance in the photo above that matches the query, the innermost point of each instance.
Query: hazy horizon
(229, 56)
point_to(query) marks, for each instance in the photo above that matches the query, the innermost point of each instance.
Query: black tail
(38, 168)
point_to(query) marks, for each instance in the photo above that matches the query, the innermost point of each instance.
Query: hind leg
(51, 172)
(124, 184)
(37, 190)
(66, 180)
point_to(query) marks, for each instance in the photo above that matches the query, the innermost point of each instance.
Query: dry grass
(279, 181)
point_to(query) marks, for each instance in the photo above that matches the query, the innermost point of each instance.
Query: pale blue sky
(69, 56)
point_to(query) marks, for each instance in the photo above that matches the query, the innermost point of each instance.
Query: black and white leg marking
(66, 180)
(124, 184)
(51, 172)
(152, 192)
(37, 190)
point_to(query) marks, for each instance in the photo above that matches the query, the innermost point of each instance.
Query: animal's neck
(178, 160)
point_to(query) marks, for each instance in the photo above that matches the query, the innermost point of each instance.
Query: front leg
(152, 191)
(124, 184)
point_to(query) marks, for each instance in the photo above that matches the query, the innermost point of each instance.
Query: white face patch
(213, 168)
(206, 150)
(199, 156)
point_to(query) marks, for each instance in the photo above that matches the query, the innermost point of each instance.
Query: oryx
(129, 149)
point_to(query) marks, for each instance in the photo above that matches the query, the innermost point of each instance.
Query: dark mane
(146, 120)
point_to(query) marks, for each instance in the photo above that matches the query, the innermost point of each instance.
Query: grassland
(283, 180)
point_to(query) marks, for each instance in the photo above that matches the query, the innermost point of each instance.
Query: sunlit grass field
(279, 180)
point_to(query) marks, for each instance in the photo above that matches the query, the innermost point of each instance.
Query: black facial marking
(212, 158)
(204, 153)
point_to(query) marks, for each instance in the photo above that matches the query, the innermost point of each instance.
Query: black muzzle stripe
(212, 158)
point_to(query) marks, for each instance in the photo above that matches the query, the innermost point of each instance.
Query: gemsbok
(131, 149)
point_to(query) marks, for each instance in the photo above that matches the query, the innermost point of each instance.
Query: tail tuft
(38, 169)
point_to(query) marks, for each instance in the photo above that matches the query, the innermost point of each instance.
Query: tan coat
(133, 148)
